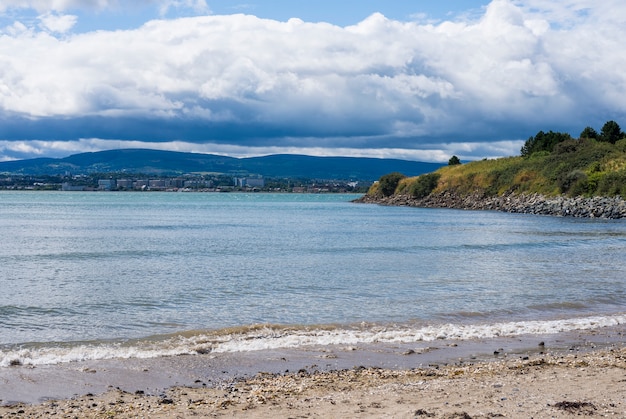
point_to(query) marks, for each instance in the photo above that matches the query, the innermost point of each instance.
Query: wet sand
(531, 376)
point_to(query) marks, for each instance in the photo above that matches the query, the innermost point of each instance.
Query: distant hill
(155, 162)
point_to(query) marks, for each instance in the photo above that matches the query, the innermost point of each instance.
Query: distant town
(185, 183)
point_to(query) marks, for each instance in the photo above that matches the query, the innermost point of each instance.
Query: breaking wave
(267, 337)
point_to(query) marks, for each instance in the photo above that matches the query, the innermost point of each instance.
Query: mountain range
(170, 163)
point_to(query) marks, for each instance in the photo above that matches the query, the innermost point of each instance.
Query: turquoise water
(145, 274)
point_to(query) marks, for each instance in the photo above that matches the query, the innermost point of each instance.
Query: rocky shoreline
(581, 207)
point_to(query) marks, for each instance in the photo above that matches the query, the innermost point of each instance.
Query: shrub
(424, 185)
(612, 184)
(567, 146)
(388, 183)
(574, 183)
(621, 145)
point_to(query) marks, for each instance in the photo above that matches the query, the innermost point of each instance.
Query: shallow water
(101, 275)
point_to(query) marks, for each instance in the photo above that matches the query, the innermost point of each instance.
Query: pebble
(562, 206)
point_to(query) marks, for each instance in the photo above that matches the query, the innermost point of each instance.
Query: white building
(250, 182)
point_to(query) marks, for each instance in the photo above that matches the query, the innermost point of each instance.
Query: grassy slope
(574, 168)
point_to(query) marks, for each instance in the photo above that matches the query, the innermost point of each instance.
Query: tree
(454, 160)
(388, 183)
(589, 133)
(611, 132)
(544, 141)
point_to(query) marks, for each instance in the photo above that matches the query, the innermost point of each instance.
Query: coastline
(526, 376)
(562, 206)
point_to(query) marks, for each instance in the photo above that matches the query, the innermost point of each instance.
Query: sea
(108, 275)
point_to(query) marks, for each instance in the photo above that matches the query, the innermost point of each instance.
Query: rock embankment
(594, 207)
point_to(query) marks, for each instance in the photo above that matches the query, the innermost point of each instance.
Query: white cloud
(381, 84)
(57, 5)
(16, 29)
(57, 23)
(164, 6)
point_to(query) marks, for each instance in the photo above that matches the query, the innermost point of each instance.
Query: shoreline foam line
(34, 384)
(275, 337)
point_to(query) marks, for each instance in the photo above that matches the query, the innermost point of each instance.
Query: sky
(414, 80)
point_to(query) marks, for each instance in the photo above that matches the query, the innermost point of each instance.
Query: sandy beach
(582, 378)
(591, 384)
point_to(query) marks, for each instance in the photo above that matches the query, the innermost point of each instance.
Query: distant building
(124, 184)
(157, 184)
(106, 184)
(197, 184)
(140, 184)
(250, 182)
(176, 182)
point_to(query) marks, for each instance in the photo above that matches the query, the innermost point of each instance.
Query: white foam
(64, 354)
(278, 338)
(408, 335)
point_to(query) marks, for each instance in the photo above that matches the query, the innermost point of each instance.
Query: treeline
(611, 133)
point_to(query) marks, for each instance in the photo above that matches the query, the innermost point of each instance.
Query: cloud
(57, 23)
(164, 6)
(57, 5)
(241, 81)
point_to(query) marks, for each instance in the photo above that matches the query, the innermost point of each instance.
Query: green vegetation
(550, 164)
(544, 142)
(387, 184)
(424, 185)
(611, 132)
(454, 160)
